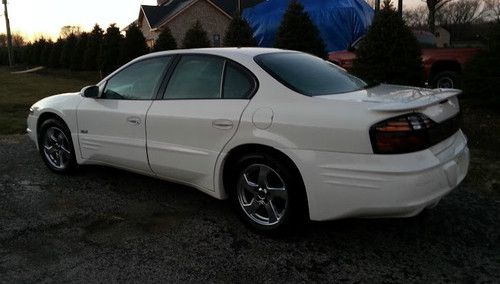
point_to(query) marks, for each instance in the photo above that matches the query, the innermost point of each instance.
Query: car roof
(230, 52)
(238, 54)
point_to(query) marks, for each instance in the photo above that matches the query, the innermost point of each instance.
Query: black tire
(446, 79)
(295, 213)
(62, 150)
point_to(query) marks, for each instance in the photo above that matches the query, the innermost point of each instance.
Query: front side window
(307, 74)
(138, 81)
(196, 77)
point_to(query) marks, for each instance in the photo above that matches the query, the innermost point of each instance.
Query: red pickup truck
(442, 66)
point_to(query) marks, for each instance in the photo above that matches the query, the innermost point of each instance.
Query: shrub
(91, 55)
(45, 55)
(481, 77)
(389, 53)
(298, 32)
(67, 50)
(110, 50)
(165, 41)
(196, 37)
(134, 44)
(239, 34)
(55, 54)
(79, 52)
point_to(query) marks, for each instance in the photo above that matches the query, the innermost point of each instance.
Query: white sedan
(285, 135)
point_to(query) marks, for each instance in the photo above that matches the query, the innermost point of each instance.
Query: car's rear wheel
(56, 146)
(266, 193)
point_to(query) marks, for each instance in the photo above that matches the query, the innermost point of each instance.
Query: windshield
(307, 74)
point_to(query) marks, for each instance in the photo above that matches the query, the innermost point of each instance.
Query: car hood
(60, 101)
(394, 98)
(58, 97)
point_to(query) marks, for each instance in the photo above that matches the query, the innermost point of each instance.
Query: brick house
(180, 15)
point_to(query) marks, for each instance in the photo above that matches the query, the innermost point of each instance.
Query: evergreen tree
(134, 44)
(91, 55)
(55, 54)
(239, 33)
(196, 37)
(68, 50)
(481, 77)
(298, 32)
(390, 52)
(47, 49)
(35, 56)
(26, 53)
(79, 52)
(3, 56)
(110, 50)
(165, 41)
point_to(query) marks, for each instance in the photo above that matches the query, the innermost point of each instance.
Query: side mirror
(90, 92)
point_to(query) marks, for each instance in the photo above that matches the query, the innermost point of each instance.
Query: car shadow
(190, 200)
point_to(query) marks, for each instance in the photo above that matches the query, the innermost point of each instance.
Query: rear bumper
(342, 185)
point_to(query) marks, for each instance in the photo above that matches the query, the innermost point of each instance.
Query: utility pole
(400, 8)
(239, 7)
(9, 35)
(377, 6)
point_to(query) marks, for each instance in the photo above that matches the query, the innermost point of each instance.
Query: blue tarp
(340, 22)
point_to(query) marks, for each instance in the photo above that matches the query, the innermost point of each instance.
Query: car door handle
(222, 123)
(134, 120)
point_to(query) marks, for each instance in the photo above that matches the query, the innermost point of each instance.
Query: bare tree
(434, 6)
(3, 40)
(68, 30)
(18, 40)
(461, 12)
(493, 9)
(387, 4)
(416, 18)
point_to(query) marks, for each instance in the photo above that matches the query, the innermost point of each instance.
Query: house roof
(231, 6)
(156, 16)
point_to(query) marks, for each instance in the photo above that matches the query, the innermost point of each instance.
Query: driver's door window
(138, 81)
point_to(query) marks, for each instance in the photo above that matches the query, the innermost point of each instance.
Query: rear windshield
(307, 74)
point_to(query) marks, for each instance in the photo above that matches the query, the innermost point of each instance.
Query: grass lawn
(19, 91)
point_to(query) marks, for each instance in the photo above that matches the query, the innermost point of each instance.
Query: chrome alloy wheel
(56, 148)
(262, 194)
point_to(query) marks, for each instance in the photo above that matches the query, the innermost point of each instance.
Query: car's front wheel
(56, 146)
(266, 193)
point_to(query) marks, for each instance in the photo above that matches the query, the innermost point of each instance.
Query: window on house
(216, 40)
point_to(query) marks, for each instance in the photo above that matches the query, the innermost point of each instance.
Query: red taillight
(402, 134)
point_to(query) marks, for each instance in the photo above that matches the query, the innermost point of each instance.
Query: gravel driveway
(109, 225)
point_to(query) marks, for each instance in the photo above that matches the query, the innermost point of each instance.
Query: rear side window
(196, 77)
(237, 83)
(307, 74)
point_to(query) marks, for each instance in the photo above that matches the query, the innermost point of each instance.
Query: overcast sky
(34, 18)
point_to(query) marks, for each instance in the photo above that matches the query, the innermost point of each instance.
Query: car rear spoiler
(439, 96)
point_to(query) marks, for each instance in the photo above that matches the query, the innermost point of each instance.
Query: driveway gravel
(103, 225)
